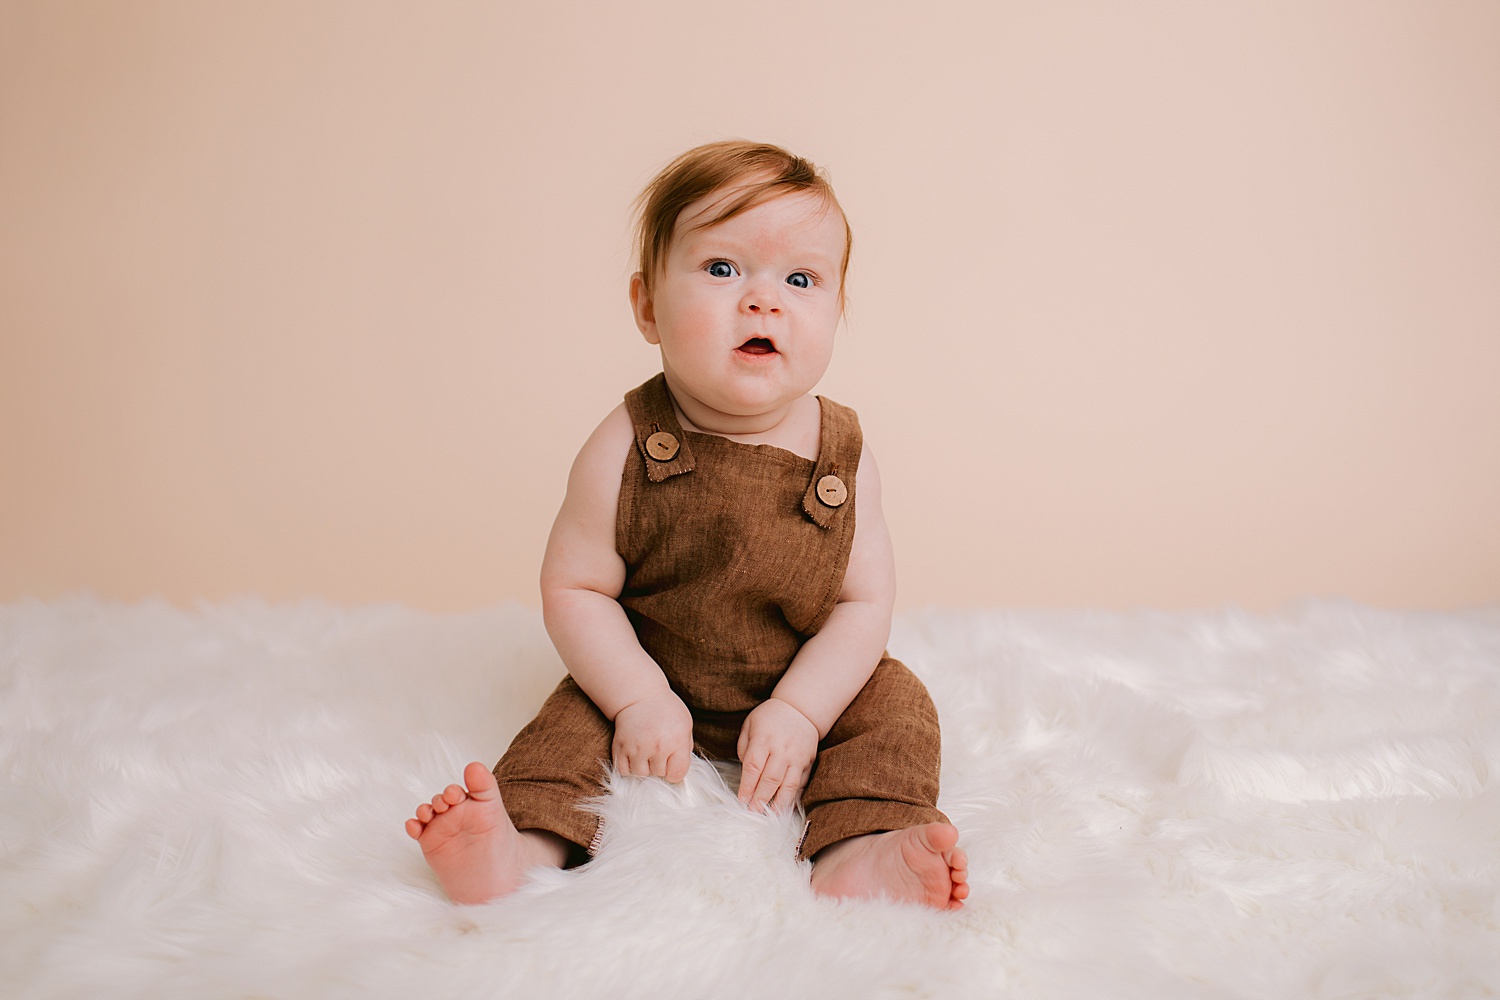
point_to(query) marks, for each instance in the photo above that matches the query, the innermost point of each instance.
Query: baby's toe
(414, 829)
(480, 781)
(454, 794)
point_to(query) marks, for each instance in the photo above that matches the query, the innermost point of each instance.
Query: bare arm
(780, 738)
(582, 577)
(834, 665)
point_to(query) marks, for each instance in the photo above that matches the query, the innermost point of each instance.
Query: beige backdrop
(1153, 304)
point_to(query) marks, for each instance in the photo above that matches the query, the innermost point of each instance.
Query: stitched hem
(554, 814)
(593, 847)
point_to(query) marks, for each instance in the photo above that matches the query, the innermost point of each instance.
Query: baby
(705, 582)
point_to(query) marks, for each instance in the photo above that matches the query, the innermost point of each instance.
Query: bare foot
(920, 865)
(470, 844)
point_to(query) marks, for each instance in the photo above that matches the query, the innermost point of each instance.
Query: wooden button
(832, 492)
(663, 447)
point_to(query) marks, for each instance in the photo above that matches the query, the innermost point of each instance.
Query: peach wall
(1153, 304)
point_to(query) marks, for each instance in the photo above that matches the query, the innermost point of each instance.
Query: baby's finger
(627, 763)
(787, 795)
(750, 777)
(765, 789)
(677, 766)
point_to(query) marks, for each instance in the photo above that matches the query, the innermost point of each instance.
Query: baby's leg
(471, 845)
(874, 828)
(555, 763)
(481, 839)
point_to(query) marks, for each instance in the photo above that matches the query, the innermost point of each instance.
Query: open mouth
(757, 345)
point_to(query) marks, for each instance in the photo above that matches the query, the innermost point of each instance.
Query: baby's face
(745, 311)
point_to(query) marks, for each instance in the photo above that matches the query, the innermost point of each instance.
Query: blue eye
(722, 269)
(799, 279)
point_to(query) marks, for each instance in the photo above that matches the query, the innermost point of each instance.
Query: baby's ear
(643, 308)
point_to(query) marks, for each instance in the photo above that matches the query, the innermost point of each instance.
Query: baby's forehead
(792, 214)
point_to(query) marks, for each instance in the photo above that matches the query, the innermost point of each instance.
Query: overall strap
(658, 435)
(830, 493)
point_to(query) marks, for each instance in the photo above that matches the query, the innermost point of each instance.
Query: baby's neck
(795, 427)
(731, 425)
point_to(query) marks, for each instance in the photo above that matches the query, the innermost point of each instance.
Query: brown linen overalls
(732, 562)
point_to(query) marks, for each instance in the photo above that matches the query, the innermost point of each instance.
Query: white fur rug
(209, 804)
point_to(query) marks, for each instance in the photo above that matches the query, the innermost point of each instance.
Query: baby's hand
(654, 736)
(777, 747)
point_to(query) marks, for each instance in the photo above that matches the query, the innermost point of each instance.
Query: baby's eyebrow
(702, 244)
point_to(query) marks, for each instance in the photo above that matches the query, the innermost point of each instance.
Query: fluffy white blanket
(210, 804)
